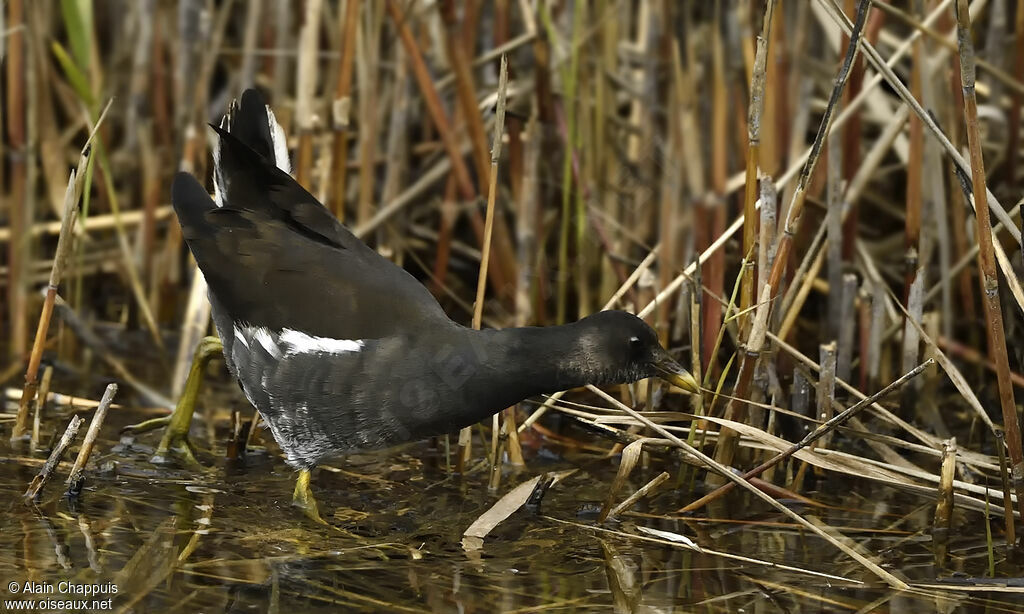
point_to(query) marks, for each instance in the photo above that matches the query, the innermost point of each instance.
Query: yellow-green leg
(303, 498)
(176, 434)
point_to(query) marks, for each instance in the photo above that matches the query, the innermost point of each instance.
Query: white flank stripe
(240, 336)
(218, 179)
(264, 338)
(220, 187)
(300, 342)
(280, 143)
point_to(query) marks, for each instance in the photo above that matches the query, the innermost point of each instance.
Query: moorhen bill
(338, 348)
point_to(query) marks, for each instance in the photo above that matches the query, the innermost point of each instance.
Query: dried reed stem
(63, 247)
(75, 479)
(37, 416)
(986, 255)
(64, 243)
(640, 493)
(38, 482)
(822, 430)
(829, 536)
(465, 435)
(756, 109)
(485, 252)
(736, 409)
(944, 503)
(915, 174)
(16, 120)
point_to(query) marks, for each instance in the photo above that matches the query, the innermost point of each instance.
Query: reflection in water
(227, 540)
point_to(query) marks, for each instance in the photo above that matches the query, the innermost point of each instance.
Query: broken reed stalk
(847, 327)
(986, 255)
(826, 383)
(641, 492)
(64, 243)
(757, 94)
(36, 486)
(629, 455)
(911, 337)
(75, 479)
(944, 505)
(460, 49)
(737, 408)
(822, 430)
(37, 418)
(341, 109)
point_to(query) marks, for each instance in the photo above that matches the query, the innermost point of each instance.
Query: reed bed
(816, 204)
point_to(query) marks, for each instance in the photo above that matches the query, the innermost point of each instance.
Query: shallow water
(226, 540)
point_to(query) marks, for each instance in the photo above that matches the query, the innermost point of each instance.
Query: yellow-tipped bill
(674, 373)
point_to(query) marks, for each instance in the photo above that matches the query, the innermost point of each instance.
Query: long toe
(303, 498)
(147, 425)
(176, 434)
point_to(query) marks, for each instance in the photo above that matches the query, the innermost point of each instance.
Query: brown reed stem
(28, 392)
(986, 254)
(714, 211)
(64, 243)
(915, 167)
